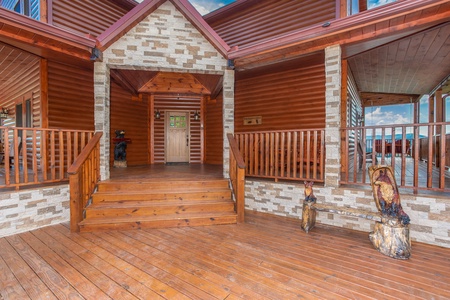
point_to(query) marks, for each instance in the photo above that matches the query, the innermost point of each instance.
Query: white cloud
(206, 6)
(379, 117)
(375, 3)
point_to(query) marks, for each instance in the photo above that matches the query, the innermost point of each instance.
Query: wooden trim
(44, 93)
(202, 129)
(344, 102)
(49, 11)
(362, 4)
(151, 117)
(43, 9)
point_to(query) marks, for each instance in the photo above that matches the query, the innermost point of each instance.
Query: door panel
(177, 137)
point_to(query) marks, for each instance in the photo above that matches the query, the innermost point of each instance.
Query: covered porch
(264, 258)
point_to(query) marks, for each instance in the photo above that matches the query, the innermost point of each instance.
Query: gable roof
(141, 11)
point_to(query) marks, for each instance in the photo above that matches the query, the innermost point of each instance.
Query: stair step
(155, 195)
(173, 184)
(163, 221)
(155, 208)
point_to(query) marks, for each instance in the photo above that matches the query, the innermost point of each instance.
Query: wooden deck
(265, 258)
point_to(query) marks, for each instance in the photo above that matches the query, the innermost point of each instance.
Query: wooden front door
(177, 137)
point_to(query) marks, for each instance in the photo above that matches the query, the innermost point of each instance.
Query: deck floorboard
(266, 257)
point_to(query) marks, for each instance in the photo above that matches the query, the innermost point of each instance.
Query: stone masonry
(332, 115)
(430, 216)
(34, 208)
(164, 41)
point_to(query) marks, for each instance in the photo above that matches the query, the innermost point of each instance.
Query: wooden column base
(120, 164)
(308, 216)
(391, 238)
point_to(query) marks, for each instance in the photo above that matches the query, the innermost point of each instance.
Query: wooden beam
(123, 82)
(440, 113)
(44, 93)
(344, 100)
(151, 117)
(362, 4)
(342, 8)
(431, 109)
(216, 91)
(377, 99)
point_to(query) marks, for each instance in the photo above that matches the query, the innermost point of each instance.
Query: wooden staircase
(160, 203)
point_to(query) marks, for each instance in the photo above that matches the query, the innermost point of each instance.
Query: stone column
(332, 115)
(228, 118)
(102, 114)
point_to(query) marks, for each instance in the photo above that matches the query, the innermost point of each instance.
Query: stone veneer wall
(34, 208)
(430, 215)
(164, 41)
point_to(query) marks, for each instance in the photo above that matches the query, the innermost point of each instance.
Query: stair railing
(84, 175)
(237, 177)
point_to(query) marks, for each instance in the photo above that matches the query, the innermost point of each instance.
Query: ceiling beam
(379, 99)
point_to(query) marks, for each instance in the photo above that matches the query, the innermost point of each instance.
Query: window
(24, 111)
(25, 7)
(356, 6)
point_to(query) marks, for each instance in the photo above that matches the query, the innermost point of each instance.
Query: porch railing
(286, 154)
(237, 177)
(84, 175)
(419, 154)
(31, 156)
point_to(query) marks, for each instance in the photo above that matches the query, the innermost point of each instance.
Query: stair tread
(127, 219)
(152, 203)
(165, 191)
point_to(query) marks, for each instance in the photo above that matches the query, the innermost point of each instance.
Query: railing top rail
(395, 125)
(235, 149)
(281, 131)
(75, 167)
(44, 129)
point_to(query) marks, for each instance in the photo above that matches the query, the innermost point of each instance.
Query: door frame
(166, 131)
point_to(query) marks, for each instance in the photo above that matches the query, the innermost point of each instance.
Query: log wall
(214, 131)
(70, 97)
(290, 99)
(131, 116)
(85, 17)
(177, 103)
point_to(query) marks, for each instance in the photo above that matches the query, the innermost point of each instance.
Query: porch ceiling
(137, 81)
(404, 69)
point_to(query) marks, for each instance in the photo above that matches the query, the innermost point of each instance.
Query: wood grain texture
(267, 257)
(214, 131)
(83, 17)
(133, 117)
(70, 97)
(263, 20)
(292, 99)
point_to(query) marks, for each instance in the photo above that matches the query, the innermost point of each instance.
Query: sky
(206, 6)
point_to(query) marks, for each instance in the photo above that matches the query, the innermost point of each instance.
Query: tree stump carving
(391, 235)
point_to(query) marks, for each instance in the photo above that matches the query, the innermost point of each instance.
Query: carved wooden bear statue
(120, 151)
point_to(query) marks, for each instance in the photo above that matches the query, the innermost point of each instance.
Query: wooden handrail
(35, 156)
(417, 152)
(84, 175)
(237, 177)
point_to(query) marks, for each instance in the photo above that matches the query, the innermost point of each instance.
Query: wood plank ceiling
(140, 81)
(12, 62)
(405, 69)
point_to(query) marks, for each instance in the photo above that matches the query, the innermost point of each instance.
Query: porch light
(196, 116)
(157, 115)
(4, 113)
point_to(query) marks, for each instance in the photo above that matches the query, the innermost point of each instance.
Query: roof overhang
(357, 33)
(42, 39)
